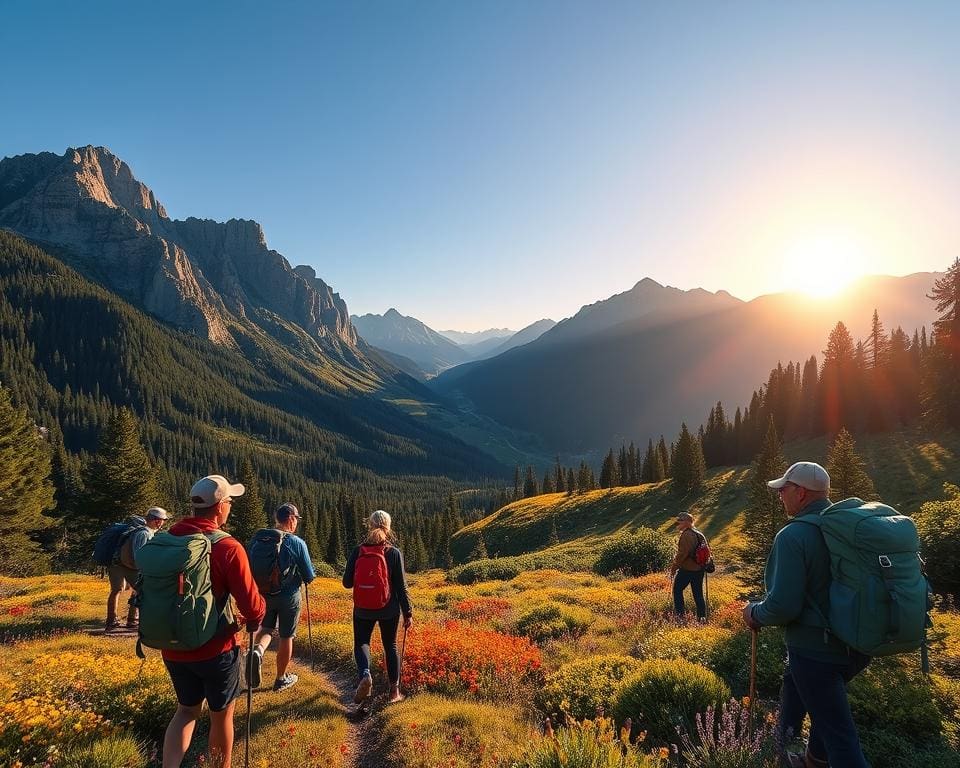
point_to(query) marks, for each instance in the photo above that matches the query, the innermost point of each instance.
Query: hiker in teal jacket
(797, 580)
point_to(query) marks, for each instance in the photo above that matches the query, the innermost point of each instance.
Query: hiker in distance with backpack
(116, 550)
(375, 573)
(199, 563)
(819, 665)
(280, 563)
(687, 568)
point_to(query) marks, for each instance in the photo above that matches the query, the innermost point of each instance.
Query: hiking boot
(112, 626)
(254, 668)
(364, 689)
(133, 625)
(285, 682)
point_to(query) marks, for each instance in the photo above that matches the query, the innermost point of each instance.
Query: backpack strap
(807, 598)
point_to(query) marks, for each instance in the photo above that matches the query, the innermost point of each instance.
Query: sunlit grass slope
(908, 468)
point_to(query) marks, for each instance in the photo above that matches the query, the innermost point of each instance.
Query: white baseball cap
(806, 474)
(213, 489)
(158, 512)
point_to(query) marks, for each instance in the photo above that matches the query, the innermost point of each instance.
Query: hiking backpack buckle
(885, 561)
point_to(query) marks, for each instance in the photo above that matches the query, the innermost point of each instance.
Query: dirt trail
(362, 735)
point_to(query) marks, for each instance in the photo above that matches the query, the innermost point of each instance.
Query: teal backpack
(178, 610)
(879, 595)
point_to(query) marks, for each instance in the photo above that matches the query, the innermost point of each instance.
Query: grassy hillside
(908, 468)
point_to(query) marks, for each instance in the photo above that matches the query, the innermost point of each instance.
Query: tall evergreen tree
(119, 480)
(247, 514)
(529, 484)
(664, 458)
(416, 557)
(554, 536)
(26, 491)
(688, 470)
(479, 551)
(848, 472)
(559, 477)
(335, 548)
(764, 515)
(547, 486)
(608, 472)
(646, 469)
(571, 482)
(942, 380)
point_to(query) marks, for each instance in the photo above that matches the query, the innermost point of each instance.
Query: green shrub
(896, 698)
(730, 659)
(696, 644)
(638, 553)
(108, 752)
(325, 570)
(662, 696)
(938, 523)
(499, 568)
(885, 749)
(582, 688)
(552, 620)
(587, 744)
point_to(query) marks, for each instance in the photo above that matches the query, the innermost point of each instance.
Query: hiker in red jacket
(212, 671)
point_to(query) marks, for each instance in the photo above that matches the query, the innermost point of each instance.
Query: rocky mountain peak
(197, 274)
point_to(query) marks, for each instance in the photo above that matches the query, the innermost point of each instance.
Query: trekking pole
(306, 589)
(706, 589)
(403, 649)
(246, 752)
(754, 634)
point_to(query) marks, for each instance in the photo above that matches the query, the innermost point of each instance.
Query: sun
(823, 264)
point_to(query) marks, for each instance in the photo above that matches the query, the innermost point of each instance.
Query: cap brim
(778, 483)
(237, 489)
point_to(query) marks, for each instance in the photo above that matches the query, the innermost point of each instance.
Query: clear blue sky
(490, 163)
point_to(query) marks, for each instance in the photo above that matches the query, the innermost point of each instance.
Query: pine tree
(547, 486)
(608, 473)
(554, 536)
(942, 380)
(247, 514)
(689, 470)
(848, 473)
(559, 477)
(516, 482)
(764, 514)
(335, 549)
(416, 557)
(119, 480)
(646, 470)
(664, 459)
(530, 484)
(571, 482)
(26, 491)
(479, 551)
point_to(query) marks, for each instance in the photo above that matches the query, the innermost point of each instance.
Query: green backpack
(879, 595)
(178, 610)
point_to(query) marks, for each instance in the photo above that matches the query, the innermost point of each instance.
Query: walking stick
(706, 589)
(403, 648)
(306, 589)
(246, 751)
(754, 634)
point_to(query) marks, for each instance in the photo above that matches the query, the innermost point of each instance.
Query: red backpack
(371, 579)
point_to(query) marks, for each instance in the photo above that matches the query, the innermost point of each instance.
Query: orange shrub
(478, 610)
(454, 658)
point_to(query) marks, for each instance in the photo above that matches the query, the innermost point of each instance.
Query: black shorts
(217, 680)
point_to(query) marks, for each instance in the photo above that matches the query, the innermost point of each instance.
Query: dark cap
(684, 516)
(285, 511)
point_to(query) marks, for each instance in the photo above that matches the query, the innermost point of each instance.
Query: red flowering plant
(480, 610)
(456, 658)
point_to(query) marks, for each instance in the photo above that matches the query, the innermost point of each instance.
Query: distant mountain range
(639, 363)
(173, 311)
(406, 342)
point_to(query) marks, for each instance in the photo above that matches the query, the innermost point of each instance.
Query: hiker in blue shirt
(819, 666)
(123, 572)
(283, 608)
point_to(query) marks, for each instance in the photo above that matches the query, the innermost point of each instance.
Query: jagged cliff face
(207, 277)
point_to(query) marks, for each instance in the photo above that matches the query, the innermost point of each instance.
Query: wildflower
(664, 753)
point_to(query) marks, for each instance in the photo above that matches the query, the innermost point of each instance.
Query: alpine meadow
(258, 509)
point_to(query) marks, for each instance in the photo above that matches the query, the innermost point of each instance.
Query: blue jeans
(680, 582)
(819, 688)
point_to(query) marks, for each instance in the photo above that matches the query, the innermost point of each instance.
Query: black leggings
(363, 631)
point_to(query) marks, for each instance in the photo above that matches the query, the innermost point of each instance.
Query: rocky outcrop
(207, 277)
